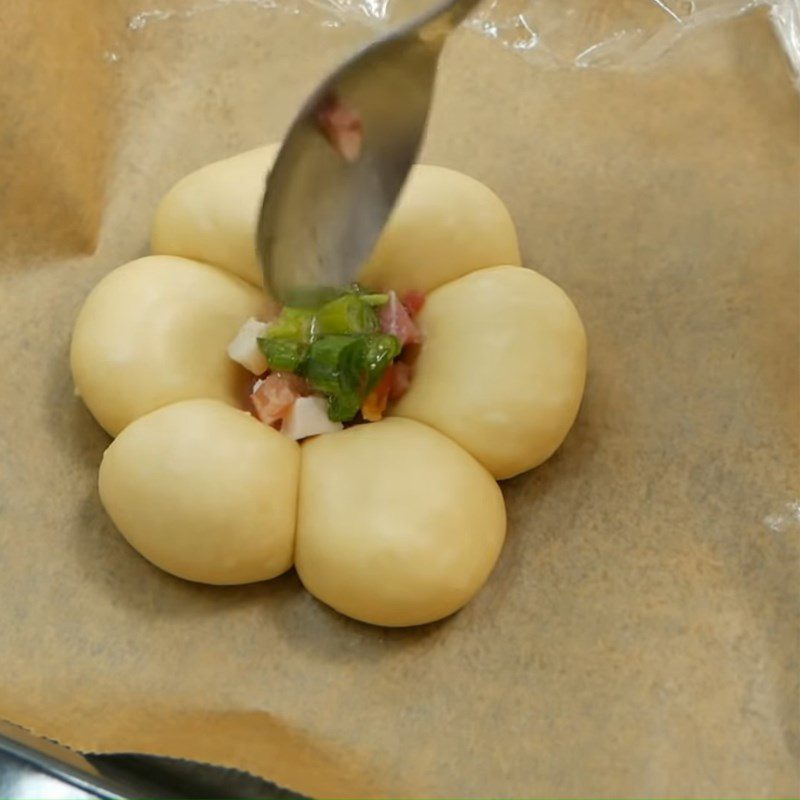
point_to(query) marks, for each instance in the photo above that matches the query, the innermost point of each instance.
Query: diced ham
(274, 396)
(397, 321)
(342, 127)
(401, 380)
(413, 301)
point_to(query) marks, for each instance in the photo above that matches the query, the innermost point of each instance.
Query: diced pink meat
(274, 396)
(397, 321)
(342, 127)
(413, 301)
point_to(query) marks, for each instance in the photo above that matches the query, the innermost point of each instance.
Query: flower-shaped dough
(396, 522)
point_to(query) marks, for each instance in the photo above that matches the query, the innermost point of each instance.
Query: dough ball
(397, 525)
(502, 368)
(445, 225)
(205, 492)
(155, 331)
(211, 214)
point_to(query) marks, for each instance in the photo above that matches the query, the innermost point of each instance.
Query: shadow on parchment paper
(130, 580)
(59, 199)
(70, 422)
(325, 634)
(769, 571)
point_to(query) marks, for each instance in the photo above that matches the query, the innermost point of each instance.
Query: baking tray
(31, 767)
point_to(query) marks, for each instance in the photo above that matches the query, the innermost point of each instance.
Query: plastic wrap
(627, 34)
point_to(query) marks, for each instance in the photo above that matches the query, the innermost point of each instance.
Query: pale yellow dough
(397, 525)
(155, 331)
(394, 523)
(211, 214)
(445, 225)
(205, 492)
(502, 369)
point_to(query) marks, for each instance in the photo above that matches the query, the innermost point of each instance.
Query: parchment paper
(639, 636)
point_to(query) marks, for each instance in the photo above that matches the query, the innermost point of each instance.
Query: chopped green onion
(283, 355)
(338, 347)
(334, 368)
(375, 300)
(347, 368)
(347, 314)
(343, 407)
(382, 349)
(292, 323)
(323, 368)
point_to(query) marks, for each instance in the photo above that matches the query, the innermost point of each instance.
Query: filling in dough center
(340, 361)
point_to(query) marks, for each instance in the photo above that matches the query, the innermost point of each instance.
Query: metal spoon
(346, 158)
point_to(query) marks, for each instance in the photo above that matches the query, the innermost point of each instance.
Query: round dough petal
(397, 525)
(205, 492)
(502, 368)
(156, 331)
(445, 225)
(211, 214)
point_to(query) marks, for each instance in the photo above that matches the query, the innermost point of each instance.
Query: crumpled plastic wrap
(626, 34)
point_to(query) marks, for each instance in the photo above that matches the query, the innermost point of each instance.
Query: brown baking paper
(639, 635)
